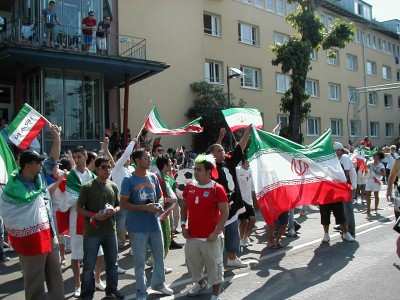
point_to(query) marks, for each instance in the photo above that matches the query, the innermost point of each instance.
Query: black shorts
(338, 211)
(250, 212)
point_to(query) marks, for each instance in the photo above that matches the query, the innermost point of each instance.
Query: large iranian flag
(155, 125)
(25, 127)
(25, 217)
(7, 161)
(238, 118)
(287, 175)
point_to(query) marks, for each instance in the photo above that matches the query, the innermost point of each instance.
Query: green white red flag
(238, 118)
(287, 175)
(25, 127)
(7, 161)
(155, 125)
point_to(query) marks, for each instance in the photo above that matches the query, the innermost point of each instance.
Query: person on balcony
(49, 17)
(27, 30)
(88, 26)
(102, 34)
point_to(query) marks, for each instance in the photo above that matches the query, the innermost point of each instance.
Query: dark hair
(52, 2)
(91, 12)
(212, 148)
(162, 160)
(100, 160)
(91, 155)
(137, 154)
(80, 149)
(207, 165)
(155, 148)
(65, 164)
(380, 154)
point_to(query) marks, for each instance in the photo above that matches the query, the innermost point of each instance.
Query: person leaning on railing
(103, 30)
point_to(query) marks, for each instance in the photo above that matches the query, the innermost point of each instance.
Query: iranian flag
(359, 159)
(155, 125)
(238, 118)
(25, 127)
(7, 162)
(25, 217)
(287, 175)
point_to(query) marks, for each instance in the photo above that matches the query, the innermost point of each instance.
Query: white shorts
(360, 178)
(372, 186)
(101, 43)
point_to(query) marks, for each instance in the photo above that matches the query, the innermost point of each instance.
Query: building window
(333, 58)
(213, 72)
(373, 98)
(371, 68)
(312, 126)
(336, 127)
(280, 7)
(351, 62)
(386, 72)
(271, 5)
(251, 78)
(388, 101)
(312, 87)
(314, 55)
(248, 34)
(353, 96)
(389, 130)
(357, 36)
(374, 42)
(398, 75)
(355, 128)
(369, 40)
(398, 102)
(211, 24)
(284, 120)
(373, 129)
(282, 83)
(259, 3)
(280, 38)
(379, 43)
(334, 91)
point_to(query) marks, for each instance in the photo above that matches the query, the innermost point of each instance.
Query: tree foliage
(210, 100)
(293, 56)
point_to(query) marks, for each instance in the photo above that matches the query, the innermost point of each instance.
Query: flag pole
(144, 124)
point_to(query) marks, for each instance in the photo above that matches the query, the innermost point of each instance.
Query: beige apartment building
(200, 39)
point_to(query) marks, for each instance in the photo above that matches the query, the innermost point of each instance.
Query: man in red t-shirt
(203, 215)
(88, 26)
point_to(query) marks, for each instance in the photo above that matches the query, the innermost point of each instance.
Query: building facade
(200, 39)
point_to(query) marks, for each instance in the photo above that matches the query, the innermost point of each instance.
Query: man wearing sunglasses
(88, 26)
(102, 33)
(98, 202)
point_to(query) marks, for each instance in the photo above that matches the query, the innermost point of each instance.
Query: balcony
(24, 47)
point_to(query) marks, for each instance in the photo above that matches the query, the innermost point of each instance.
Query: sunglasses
(91, 15)
(160, 150)
(146, 157)
(105, 167)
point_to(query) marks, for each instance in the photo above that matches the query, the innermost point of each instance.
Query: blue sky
(384, 10)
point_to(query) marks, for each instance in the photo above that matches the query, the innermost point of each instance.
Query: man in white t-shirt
(391, 159)
(248, 218)
(351, 176)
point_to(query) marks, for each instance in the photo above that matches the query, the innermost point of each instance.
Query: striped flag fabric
(155, 125)
(7, 161)
(287, 175)
(25, 127)
(28, 235)
(238, 118)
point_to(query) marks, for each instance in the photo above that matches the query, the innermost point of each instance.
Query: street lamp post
(234, 73)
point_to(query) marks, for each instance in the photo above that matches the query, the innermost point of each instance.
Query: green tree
(210, 100)
(294, 57)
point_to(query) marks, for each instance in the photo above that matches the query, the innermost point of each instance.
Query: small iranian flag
(155, 125)
(287, 175)
(238, 118)
(7, 162)
(25, 127)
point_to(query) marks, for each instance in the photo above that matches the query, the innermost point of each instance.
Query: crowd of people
(98, 199)
(95, 35)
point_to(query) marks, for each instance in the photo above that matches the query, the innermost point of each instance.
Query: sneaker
(215, 297)
(338, 228)
(248, 242)
(10, 248)
(196, 289)
(326, 238)
(243, 243)
(77, 292)
(121, 271)
(291, 233)
(297, 227)
(114, 295)
(167, 270)
(175, 245)
(165, 290)
(237, 262)
(4, 258)
(100, 286)
(347, 237)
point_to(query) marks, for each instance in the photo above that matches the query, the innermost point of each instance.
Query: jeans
(140, 243)
(120, 219)
(349, 213)
(232, 238)
(90, 249)
(1, 238)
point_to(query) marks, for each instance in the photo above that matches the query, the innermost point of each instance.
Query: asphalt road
(305, 268)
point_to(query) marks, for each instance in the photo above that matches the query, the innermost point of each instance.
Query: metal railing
(69, 38)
